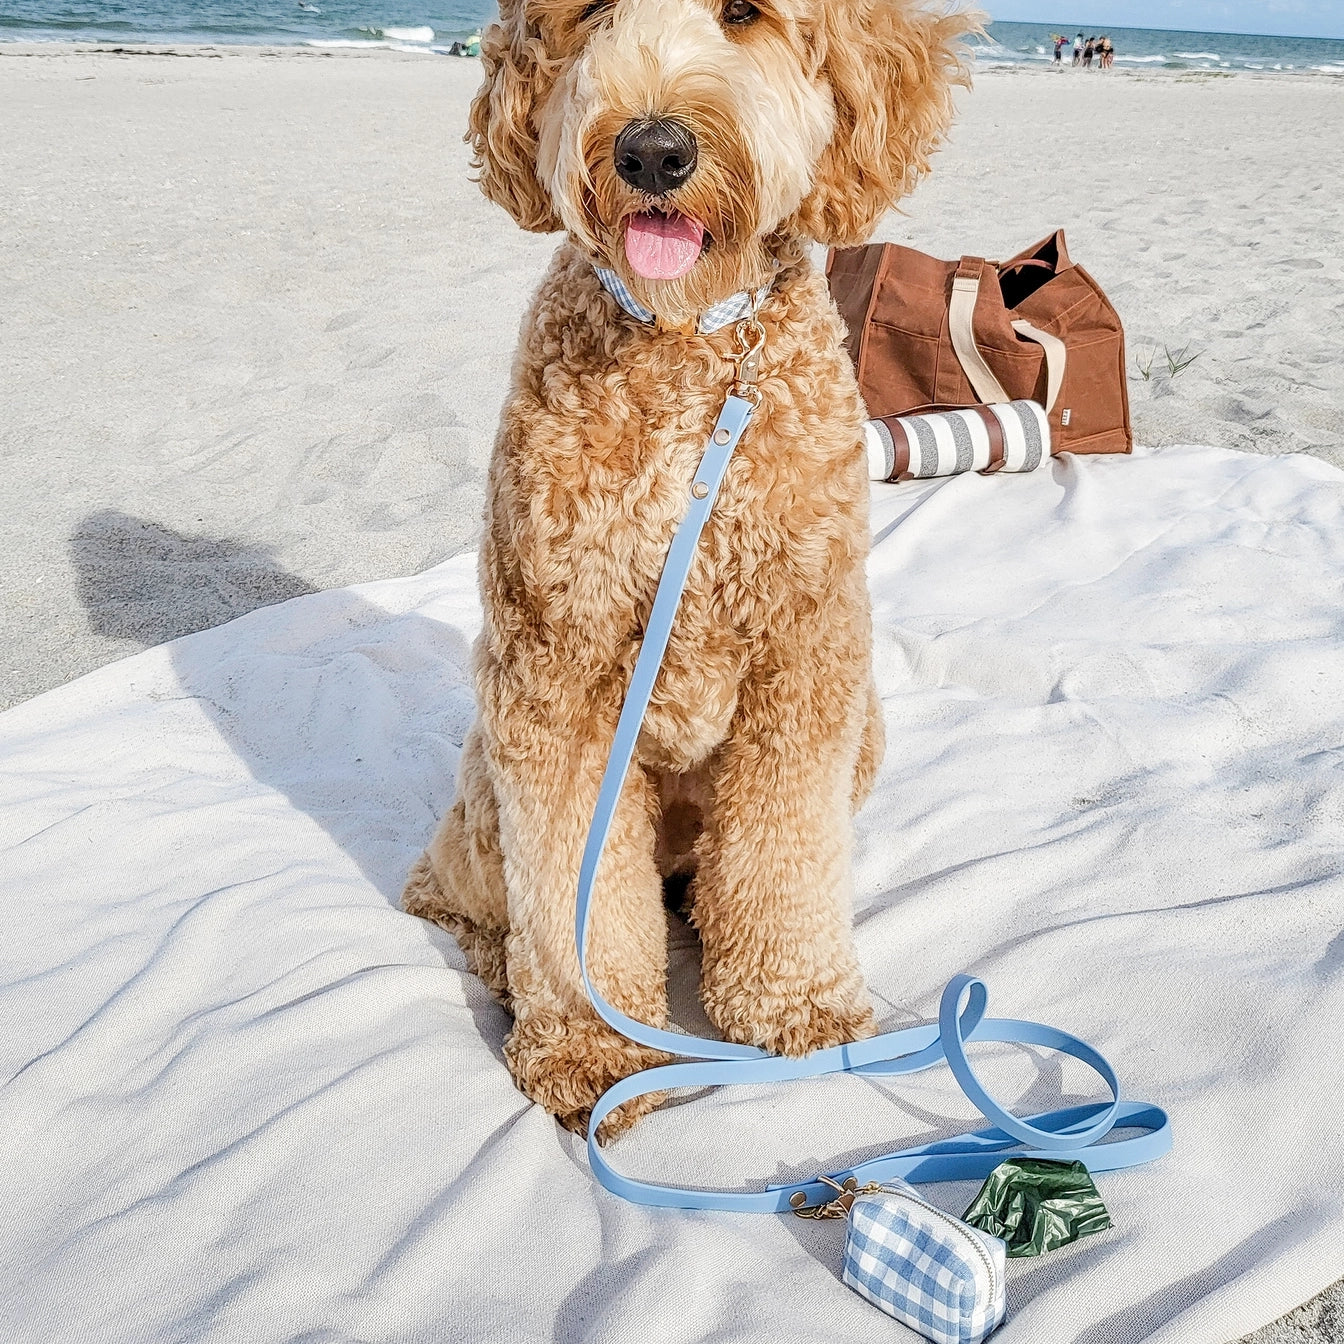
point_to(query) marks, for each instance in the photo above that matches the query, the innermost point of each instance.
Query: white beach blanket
(244, 1098)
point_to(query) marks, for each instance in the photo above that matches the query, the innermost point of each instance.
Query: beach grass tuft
(1181, 360)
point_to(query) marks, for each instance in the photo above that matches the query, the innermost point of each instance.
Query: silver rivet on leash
(720, 437)
(700, 489)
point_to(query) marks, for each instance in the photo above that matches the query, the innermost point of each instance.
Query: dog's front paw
(790, 1020)
(566, 1065)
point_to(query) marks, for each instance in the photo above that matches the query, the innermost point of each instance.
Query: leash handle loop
(1067, 1134)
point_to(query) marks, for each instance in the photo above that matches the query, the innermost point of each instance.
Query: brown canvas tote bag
(925, 333)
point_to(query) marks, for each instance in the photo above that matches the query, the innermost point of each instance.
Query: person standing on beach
(1059, 48)
(1108, 54)
(1078, 49)
(1088, 52)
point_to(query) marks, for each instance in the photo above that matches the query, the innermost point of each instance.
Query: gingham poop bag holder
(920, 1264)
(973, 365)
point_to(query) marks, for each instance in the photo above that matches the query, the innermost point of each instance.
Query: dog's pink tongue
(663, 247)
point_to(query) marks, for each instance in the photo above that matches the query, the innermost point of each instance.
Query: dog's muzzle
(655, 156)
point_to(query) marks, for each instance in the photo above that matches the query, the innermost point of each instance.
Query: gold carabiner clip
(751, 341)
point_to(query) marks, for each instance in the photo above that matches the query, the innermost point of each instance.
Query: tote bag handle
(961, 327)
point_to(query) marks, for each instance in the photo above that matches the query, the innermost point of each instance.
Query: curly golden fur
(812, 118)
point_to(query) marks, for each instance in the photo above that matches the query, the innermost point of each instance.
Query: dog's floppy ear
(503, 133)
(891, 67)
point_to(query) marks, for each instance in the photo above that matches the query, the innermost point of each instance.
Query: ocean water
(1018, 44)
(408, 24)
(424, 25)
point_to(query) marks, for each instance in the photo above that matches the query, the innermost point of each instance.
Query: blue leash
(1072, 1133)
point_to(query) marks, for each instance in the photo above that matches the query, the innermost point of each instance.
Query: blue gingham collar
(732, 309)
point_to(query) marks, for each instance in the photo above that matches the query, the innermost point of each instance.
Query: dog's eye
(738, 13)
(592, 11)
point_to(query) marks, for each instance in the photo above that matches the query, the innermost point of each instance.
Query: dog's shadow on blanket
(354, 713)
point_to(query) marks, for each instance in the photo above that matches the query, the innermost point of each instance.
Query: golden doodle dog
(690, 150)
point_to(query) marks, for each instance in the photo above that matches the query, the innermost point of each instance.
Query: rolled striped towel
(1005, 436)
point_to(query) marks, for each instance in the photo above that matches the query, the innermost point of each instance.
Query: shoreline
(352, 49)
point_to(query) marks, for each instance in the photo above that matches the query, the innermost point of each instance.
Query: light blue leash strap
(1069, 1134)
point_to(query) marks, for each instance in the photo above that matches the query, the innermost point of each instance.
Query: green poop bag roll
(1037, 1205)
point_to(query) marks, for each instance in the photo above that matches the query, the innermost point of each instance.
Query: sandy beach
(258, 322)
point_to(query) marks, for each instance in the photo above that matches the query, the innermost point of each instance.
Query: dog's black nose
(655, 156)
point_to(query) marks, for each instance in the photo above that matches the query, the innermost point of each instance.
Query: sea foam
(425, 34)
(369, 42)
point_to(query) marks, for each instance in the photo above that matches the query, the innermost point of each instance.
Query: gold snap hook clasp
(839, 1207)
(751, 341)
